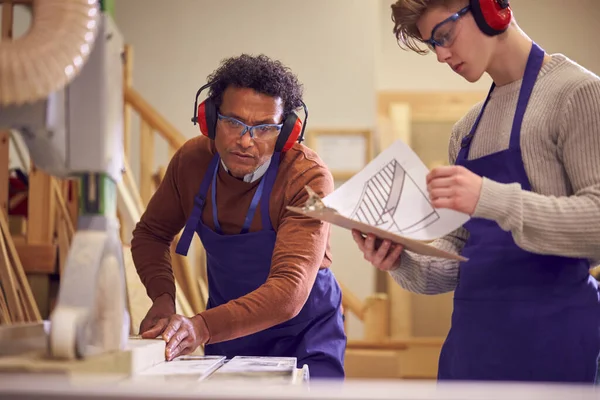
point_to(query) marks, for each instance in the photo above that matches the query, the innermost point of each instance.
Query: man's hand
(454, 187)
(383, 257)
(162, 308)
(183, 335)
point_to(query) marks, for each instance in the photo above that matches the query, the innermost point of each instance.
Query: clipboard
(315, 208)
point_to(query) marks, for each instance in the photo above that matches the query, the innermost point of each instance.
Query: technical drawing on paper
(381, 202)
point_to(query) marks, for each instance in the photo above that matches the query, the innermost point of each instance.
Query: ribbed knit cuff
(219, 323)
(497, 201)
(159, 286)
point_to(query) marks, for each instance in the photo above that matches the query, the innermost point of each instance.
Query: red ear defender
(205, 114)
(290, 132)
(293, 138)
(492, 16)
(202, 119)
(207, 118)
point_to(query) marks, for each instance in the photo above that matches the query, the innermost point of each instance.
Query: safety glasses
(233, 126)
(444, 33)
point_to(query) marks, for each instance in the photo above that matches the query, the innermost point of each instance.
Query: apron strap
(266, 181)
(199, 201)
(532, 69)
(465, 144)
(270, 181)
(534, 64)
(252, 210)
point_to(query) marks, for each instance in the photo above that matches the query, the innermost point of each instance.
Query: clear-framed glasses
(233, 126)
(444, 33)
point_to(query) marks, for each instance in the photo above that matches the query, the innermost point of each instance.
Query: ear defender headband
(292, 130)
(492, 16)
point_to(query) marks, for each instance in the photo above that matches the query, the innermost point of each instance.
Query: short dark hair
(260, 73)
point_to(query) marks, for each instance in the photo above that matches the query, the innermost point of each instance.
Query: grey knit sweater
(560, 143)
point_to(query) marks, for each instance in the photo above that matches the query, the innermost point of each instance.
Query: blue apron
(239, 264)
(518, 316)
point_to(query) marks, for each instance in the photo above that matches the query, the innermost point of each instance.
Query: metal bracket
(314, 202)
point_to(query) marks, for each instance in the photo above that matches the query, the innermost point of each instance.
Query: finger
(359, 239)
(147, 323)
(444, 202)
(441, 172)
(442, 193)
(441, 182)
(176, 340)
(380, 254)
(172, 328)
(370, 243)
(392, 258)
(156, 330)
(183, 347)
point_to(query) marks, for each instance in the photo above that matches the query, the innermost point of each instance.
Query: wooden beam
(139, 355)
(15, 2)
(377, 317)
(127, 83)
(36, 258)
(371, 345)
(7, 19)
(63, 210)
(40, 214)
(10, 285)
(352, 303)
(5, 318)
(154, 119)
(146, 160)
(30, 304)
(396, 344)
(431, 106)
(4, 172)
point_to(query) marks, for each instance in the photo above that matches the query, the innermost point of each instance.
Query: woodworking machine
(61, 89)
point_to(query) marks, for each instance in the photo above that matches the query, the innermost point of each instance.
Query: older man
(271, 292)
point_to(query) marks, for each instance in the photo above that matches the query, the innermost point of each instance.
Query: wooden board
(431, 106)
(140, 355)
(330, 215)
(36, 258)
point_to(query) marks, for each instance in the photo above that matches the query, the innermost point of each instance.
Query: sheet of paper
(390, 193)
(259, 364)
(198, 366)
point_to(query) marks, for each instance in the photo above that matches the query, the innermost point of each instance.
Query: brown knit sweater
(302, 246)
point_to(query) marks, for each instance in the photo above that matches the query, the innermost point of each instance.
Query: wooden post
(7, 19)
(4, 166)
(127, 82)
(40, 213)
(146, 160)
(376, 318)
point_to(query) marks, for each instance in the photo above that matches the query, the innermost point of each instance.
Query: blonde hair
(406, 13)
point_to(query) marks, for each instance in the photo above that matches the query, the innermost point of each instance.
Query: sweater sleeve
(566, 225)
(153, 234)
(298, 254)
(432, 275)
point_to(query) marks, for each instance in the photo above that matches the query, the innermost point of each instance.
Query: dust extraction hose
(51, 54)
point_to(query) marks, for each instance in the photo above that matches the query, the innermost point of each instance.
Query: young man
(526, 167)
(271, 291)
